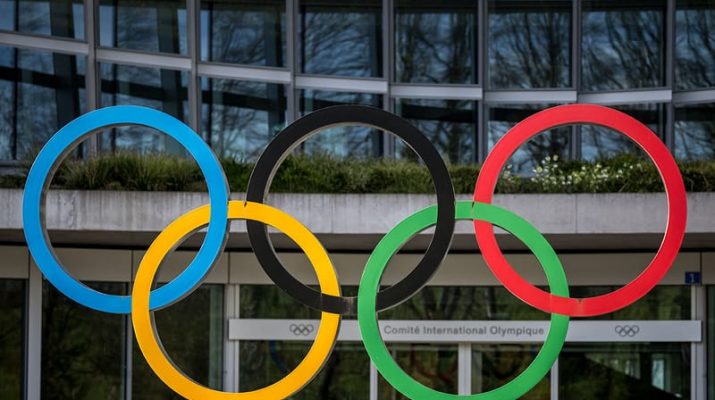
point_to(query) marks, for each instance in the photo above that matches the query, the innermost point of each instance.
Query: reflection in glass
(529, 44)
(695, 131)
(449, 124)
(240, 117)
(710, 344)
(82, 349)
(341, 37)
(12, 333)
(191, 332)
(345, 141)
(435, 41)
(345, 375)
(63, 18)
(39, 93)
(624, 371)
(694, 44)
(494, 365)
(555, 142)
(272, 302)
(243, 32)
(433, 365)
(661, 303)
(153, 25)
(161, 89)
(598, 142)
(623, 45)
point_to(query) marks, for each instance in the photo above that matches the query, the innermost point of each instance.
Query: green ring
(398, 236)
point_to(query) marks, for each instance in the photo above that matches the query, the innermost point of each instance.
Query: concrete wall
(357, 221)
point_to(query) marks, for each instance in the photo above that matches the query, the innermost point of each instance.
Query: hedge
(321, 174)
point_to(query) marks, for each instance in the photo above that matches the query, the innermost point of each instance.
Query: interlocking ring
(674, 189)
(627, 330)
(47, 162)
(329, 300)
(294, 135)
(301, 329)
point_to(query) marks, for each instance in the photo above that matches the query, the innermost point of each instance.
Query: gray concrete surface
(355, 221)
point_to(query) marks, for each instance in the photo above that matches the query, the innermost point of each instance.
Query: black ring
(283, 144)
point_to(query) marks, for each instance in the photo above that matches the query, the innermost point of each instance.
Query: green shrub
(322, 174)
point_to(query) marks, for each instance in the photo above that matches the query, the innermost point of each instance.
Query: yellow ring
(143, 320)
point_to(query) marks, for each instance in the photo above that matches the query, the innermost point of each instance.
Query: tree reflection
(695, 132)
(435, 42)
(529, 44)
(341, 38)
(695, 44)
(623, 45)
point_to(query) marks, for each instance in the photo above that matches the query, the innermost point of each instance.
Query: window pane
(529, 44)
(345, 141)
(695, 44)
(345, 375)
(695, 131)
(161, 89)
(661, 303)
(272, 302)
(435, 41)
(433, 365)
(598, 142)
(241, 117)
(12, 333)
(154, 25)
(710, 345)
(63, 18)
(624, 371)
(39, 93)
(191, 332)
(623, 44)
(494, 365)
(243, 32)
(555, 142)
(341, 37)
(82, 349)
(451, 125)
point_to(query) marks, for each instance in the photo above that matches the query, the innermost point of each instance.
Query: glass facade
(12, 333)
(464, 72)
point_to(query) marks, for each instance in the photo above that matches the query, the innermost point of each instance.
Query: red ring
(674, 189)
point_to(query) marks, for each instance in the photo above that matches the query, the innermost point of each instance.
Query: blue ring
(51, 155)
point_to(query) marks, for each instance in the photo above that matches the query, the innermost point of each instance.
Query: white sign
(473, 331)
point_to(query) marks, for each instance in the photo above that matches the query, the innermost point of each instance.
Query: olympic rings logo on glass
(370, 299)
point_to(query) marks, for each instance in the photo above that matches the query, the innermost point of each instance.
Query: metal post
(33, 329)
(92, 79)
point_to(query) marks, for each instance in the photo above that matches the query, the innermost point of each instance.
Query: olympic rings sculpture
(328, 299)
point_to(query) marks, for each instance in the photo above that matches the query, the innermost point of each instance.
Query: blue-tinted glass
(695, 44)
(529, 44)
(240, 117)
(435, 41)
(598, 142)
(624, 371)
(82, 349)
(161, 89)
(155, 25)
(39, 93)
(554, 142)
(451, 125)
(243, 32)
(12, 322)
(494, 365)
(64, 18)
(695, 131)
(345, 141)
(192, 333)
(433, 365)
(345, 375)
(341, 37)
(623, 45)
(711, 342)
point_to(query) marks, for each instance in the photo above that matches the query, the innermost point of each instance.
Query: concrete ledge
(355, 221)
